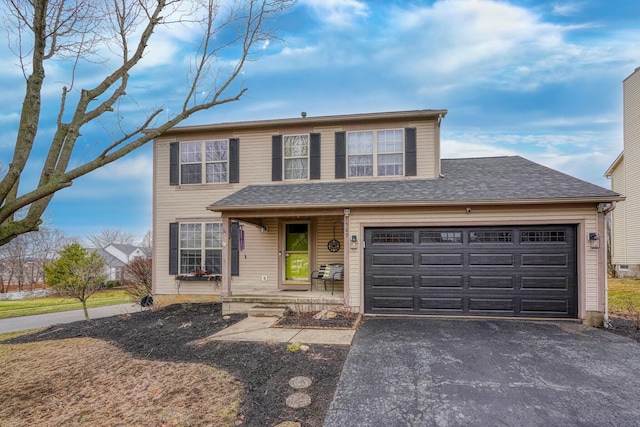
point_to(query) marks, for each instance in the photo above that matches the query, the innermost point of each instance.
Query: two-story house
(625, 179)
(261, 205)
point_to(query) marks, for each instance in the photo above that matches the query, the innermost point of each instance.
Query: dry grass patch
(621, 291)
(85, 381)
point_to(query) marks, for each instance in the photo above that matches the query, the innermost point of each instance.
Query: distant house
(624, 173)
(246, 213)
(118, 255)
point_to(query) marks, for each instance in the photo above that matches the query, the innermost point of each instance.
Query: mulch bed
(624, 326)
(264, 369)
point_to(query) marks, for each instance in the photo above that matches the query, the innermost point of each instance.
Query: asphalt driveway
(446, 372)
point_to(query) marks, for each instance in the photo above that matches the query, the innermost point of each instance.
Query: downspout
(605, 208)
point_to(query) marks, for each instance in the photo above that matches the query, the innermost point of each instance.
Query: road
(22, 323)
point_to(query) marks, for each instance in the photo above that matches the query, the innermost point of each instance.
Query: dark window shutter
(276, 158)
(341, 155)
(410, 166)
(314, 156)
(174, 163)
(173, 247)
(234, 160)
(235, 253)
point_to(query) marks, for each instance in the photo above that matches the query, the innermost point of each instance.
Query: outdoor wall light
(594, 240)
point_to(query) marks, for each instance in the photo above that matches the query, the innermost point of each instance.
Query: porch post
(347, 251)
(226, 257)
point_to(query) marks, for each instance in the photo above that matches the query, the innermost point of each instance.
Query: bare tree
(22, 260)
(86, 36)
(108, 236)
(147, 240)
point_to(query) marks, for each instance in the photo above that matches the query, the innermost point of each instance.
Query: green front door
(297, 252)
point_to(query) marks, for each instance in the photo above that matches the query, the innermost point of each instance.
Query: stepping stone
(300, 382)
(289, 424)
(298, 400)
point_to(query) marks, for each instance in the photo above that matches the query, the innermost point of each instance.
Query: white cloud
(566, 8)
(130, 167)
(341, 13)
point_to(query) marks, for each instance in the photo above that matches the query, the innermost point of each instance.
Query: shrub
(110, 284)
(136, 278)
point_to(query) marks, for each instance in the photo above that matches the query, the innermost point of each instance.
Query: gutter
(603, 200)
(605, 208)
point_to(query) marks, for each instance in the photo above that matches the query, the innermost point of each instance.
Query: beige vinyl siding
(187, 203)
(631, 129)
(259, 258)
(585, 217)
(324, 233)
(619, 218)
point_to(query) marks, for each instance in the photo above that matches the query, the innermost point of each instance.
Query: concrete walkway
(259, 329)
(23, 323)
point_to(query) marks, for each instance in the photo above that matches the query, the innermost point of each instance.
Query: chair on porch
(328, 272)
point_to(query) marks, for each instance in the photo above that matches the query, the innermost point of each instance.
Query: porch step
(267, 311)
(245, 303)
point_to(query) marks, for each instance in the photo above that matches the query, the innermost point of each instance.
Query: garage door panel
(544, 260)
(439, 282)
(491, 282)
(379, 282)
(544, 307)
(490, 260)
(527, 271)
(441, 305)
(385, 259)
(493, 305)
(545, 283)
(441, 259)
(391, 304)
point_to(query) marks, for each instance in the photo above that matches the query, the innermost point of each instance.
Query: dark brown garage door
(525, 271)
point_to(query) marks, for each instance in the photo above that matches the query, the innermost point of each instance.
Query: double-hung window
(214, 162)
(296, 156)
(375, 153)
(201, 248)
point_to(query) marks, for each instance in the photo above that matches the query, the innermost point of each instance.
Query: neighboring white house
(625, 179)
(118, 255)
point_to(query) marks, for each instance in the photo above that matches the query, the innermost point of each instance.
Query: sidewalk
(22, 323)
(259, 329)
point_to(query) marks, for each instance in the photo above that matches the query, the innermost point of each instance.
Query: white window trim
(375, 153)
(285, 158)
(203, 244)
(204, 162)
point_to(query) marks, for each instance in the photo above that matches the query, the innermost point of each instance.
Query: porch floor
(238, 290)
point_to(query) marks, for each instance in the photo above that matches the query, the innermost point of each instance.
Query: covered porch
(280, 253)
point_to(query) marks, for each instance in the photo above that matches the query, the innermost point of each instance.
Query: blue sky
(540, 79)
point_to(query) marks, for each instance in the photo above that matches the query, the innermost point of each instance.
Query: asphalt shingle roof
(486, 179)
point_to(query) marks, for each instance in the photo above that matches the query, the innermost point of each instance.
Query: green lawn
(620, 291)
(52, 304)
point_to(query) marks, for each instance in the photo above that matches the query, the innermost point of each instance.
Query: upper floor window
(296, 156)
(214, 163)
(375, 153)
